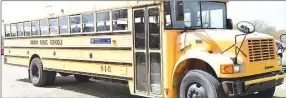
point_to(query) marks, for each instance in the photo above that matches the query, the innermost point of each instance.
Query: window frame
(29, 26)
(18, 29)
(69, 16)
(68, 25)
(16, 25)
(117, 20)
(41, 34)
(56, 26)
(39, 31)
(201, 27)
(110, 18)
(70, 28)
(94, 21)
(5, 31)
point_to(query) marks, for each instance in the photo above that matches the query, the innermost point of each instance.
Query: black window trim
(69, 23)
(200, 14)
(18, 30)
(39, 31)
(94, 21)
(110, 32)
(117, 20)
(29, 26)
(57, 26)
(47, 27)
(110, 18)
(5, 31)
(16, 24)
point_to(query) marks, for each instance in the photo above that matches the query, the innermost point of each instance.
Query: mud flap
(29, 74)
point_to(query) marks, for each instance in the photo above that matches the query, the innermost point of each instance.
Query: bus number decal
(105, 68)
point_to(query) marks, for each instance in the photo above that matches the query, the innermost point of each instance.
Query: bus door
(147, 50)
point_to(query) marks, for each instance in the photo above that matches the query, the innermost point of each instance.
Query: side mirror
(179, 11)
(283, 38)
(229, 24)
(246, 27)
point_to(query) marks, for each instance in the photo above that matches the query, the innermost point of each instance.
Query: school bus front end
(203, 58)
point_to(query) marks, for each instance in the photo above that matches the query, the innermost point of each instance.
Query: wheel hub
(35, 73)
(196, 90)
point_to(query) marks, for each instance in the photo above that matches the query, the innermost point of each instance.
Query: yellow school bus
(170, 49)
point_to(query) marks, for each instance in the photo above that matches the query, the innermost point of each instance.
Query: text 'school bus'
(160, 48)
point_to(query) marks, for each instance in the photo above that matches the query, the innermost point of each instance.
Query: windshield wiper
(190, 28)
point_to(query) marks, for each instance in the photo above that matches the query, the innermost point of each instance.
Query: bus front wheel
(200, 84)
(38, 76)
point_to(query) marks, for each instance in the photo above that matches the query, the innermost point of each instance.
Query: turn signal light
(227, 69)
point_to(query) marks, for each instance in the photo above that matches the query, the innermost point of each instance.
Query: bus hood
(219, 40)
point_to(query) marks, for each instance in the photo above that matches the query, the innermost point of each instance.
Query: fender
(214, 60)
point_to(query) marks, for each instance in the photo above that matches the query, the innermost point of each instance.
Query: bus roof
(58, 11)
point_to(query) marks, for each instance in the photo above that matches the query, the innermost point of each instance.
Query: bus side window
(63, 25)
(35, 27)
(119, 19)
(75, 24)
(27, 28)
(102, 21)
(88, 22)
(53, 25)
(20, 29)
(7, 30)
(13, 29)
(44, 30)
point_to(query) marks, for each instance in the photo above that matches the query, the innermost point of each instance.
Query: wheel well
(33, 56)
(198, 64)
(191, 64)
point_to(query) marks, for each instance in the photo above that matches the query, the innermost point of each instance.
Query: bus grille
(260, 50)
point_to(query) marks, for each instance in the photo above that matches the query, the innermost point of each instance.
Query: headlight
(236, 68)
(230, 68)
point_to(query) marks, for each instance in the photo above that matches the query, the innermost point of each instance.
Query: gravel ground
(15, 83)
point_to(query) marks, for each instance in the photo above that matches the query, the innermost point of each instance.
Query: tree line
(262, 27)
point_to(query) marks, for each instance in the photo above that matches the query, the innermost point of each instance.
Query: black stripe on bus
(99, 48)
(87, 73)
(70, 35)
(16, 56)
(89, 61)
(18, 65)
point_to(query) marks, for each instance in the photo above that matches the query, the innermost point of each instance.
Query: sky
(272, 12)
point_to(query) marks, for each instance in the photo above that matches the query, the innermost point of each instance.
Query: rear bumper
(245, 86)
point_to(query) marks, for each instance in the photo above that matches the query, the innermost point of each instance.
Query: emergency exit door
(146, 21)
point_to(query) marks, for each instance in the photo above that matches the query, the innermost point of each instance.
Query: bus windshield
(196, 15)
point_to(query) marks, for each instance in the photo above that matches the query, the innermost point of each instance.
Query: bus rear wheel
(81, 78)
(200, 84)
(38, 76)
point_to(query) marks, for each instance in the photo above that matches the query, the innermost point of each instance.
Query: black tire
(81, 78)
(262, 94)
(206, 86)
(38, 76)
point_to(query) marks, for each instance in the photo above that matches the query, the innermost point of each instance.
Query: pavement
(15, 83)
